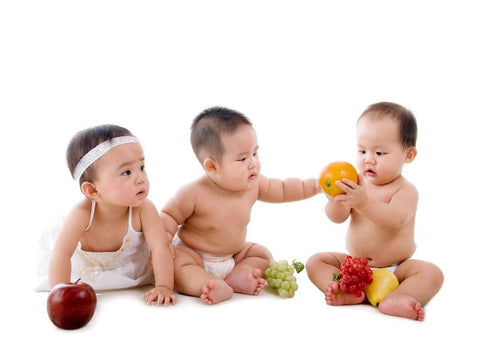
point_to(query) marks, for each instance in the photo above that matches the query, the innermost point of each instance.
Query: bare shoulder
(407, 186)
(182, 204)
(74, 226)
(406, 191)
(146, 208)
(80, 213)
(147, 214)
(190, 189)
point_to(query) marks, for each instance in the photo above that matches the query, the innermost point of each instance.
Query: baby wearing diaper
(212, 258)
(381, 208)
(217, 265)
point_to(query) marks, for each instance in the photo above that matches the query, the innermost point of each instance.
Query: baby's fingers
(166, 300)
(349, 183)
(160, 299)
(151, 298)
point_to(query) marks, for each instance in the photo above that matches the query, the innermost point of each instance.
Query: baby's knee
(254, 250)
(429, 272)
(435, 275)
(319, 259)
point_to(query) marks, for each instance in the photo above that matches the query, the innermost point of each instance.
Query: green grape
(279, 275)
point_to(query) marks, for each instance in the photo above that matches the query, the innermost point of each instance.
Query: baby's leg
(250, 263)
(192, 279)
(419, 282)
(320, 269)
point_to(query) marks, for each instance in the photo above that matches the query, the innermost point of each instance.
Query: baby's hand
(163, 295)
(355, 195)
(318, 189)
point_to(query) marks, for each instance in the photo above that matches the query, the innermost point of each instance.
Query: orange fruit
(336, 171)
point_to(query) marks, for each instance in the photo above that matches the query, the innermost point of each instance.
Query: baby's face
(121, 177)
(380, 154)
(240, 165)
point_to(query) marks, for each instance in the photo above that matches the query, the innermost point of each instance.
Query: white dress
(129, 266)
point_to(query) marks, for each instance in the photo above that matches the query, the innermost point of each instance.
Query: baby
(113, 237)
(212, 258)
(382, 208)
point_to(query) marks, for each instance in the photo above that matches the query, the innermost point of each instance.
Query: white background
(302, 71)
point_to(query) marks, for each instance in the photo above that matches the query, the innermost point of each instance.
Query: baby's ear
(89, 190)
(411, 154)
(210, 165)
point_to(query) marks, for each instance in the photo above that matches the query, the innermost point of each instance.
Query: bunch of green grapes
(279, 275)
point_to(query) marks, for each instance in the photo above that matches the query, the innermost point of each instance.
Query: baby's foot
(402, 305)
(215, 291)
(246, 281)
(335, 297)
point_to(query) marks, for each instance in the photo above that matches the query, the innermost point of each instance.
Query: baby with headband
(114, 238)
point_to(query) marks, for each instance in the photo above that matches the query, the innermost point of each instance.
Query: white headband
(95, 153)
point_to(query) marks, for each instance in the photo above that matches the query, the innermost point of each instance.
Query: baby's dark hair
(209, 126)
(85, 140)
(404, 117)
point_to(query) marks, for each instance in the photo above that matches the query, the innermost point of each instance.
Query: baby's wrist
(162, 286)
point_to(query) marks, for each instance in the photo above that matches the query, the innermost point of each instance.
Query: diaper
(390, 268)
(214, 264)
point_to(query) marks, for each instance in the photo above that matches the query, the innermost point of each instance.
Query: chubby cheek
(360, 164)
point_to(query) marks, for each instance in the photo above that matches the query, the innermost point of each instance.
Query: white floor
(303, 73)
(123, 317)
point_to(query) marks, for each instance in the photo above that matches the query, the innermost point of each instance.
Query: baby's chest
(229, 211)
(381, 194)
(103, 241)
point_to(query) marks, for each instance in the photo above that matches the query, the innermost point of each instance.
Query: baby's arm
(394, 214)
(60, 262)
(336, 211)
(162, 261)
(178, 209)
(291, 189)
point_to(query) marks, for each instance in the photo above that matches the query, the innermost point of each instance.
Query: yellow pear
(384, 282)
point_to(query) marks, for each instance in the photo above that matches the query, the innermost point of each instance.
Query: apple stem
(77, 281)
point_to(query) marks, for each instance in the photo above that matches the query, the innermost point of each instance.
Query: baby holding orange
(382, 208)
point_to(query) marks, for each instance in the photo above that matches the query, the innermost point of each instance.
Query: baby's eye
(380, 153)
(242, 159)
(142, 168)
(361, 151)
(126, 173)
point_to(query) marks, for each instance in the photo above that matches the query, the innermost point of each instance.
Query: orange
(336, 171)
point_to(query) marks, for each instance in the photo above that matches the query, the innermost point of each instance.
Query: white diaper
(214, 264)
(390, 268)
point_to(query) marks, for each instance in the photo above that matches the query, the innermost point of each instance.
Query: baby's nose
(370, 158)
(140, 178)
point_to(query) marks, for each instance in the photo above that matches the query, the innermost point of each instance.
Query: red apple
(71, 305)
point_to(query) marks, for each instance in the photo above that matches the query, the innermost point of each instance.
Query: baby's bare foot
(402, 305)
(335, 297)
(246, 281)
(215, 291)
